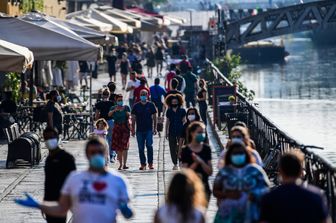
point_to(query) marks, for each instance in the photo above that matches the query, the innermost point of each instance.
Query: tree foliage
(27, 5)
(12, 82)
(229, 66)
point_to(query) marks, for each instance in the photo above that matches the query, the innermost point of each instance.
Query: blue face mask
(97, 161)
(143, 98)
(238, 159)
(200, 137)
(120, 103)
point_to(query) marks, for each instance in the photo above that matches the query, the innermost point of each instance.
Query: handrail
(267, 135)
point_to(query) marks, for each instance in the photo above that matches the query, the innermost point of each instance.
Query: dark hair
(290, 164)
(50, 130)
(244, 132)
(157, 81)
(95, 141)
(112, 86)
(174, 83)
(170, 98)
(143, 81)
(192, 128)
(133, 73)
(202, 82)
(240, 123)
(172, 66)
(186, 191)
(53, 93)
(117, 96)
(106, 92)
(177, 71)
(197, 115)
(234, 145)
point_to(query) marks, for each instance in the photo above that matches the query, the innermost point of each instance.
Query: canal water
(300, 95)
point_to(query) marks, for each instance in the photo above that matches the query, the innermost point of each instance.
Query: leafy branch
(229, 66)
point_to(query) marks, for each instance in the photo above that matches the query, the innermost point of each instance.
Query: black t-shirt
(143, 113)
(57, 112)
(113, 98)
(104, 108)
(176, 121)
(111, 62)
(293, 203)
(205, 155)
(57, 168)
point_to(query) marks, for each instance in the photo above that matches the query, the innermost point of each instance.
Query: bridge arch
(286, 20)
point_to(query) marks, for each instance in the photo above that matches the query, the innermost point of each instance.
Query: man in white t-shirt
(131, 85)
(93, 195)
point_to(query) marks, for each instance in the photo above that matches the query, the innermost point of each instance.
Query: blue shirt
(176, 121)
(143, 113)
(156, 92)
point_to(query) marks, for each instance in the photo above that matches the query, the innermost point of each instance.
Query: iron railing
(267, 136)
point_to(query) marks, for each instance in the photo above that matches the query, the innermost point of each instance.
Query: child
(101, 131)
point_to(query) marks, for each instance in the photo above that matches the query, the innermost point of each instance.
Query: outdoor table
(76, 125)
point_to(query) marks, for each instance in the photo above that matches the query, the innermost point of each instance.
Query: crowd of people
(241, 187)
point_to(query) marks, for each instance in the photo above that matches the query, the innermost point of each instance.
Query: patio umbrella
(47, 40)
(121, 15)
(91, 23)
(118, 26)
(14, 58)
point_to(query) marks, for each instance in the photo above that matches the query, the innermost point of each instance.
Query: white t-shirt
(134, 84)
(95, 197)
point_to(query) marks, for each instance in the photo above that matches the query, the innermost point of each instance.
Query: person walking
(121, 131)
(93, 195)
(157, 93)
(184, 65)
(111, 65)
(176, 117)
(132, 84)
(150, 62)
(202, 100)
(191, 88)
(58, 166)
(196, 155)
(239, 186)
(159, 58)
(185, 200)
(102, 109)
(294, 200)
(112, 88)
(169, 76)
(54, 110)
(83, 72)
(125, 68)
(144, 116)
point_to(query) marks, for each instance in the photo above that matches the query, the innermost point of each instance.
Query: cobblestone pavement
(148, 187)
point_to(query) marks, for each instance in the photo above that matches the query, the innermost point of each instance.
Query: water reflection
(299, 95)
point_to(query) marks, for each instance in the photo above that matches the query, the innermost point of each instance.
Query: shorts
(112, 73)
(83, 75)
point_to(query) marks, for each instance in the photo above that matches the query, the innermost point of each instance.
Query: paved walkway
(148, 187)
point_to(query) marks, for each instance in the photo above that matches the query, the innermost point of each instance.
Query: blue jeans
(145, 138)
(109, 138)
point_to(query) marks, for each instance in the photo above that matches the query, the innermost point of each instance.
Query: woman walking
(176, 117)
(202, 98)
(150, 62)
(185, 200)
(239, 186)
(125, 68)
(121, 131)
(159, 57)
(196, 155)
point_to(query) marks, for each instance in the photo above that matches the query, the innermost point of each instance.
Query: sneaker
(151, 166)
(175, 167)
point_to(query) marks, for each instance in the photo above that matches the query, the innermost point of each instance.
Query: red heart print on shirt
(99, 186)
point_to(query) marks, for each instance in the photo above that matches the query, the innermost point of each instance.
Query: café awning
(47, 40)
(14, 58)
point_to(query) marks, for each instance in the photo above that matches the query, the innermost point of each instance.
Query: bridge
(309, 16)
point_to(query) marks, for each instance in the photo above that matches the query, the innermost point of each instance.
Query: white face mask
(191, 117)
(52, 144)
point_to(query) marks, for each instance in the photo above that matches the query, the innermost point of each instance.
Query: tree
(27, 5)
